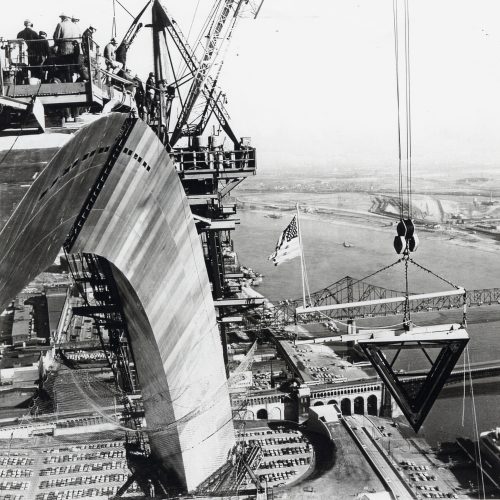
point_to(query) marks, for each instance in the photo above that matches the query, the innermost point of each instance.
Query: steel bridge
(350, 289)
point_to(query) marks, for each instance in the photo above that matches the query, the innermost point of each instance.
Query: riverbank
(321, 208)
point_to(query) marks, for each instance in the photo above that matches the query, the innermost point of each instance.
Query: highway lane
(390, 477)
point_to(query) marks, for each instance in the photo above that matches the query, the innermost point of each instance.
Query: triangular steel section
(416, 404)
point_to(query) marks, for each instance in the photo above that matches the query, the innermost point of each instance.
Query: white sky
(313, 81)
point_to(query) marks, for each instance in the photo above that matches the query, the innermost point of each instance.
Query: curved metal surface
(141, 222)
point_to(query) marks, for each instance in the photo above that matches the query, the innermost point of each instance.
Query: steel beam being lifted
(449, 340)
(388, 300)
(415, 399)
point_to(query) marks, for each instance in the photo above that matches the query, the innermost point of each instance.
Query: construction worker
(112, 64)
(139, 96)
(29, 34)
(87, 40)
(151, 82)
(121, 54)
(150, 96)
(64, 35)
(43, 46)
(42, 52)
(67, 47)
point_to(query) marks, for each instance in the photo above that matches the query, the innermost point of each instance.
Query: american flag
(288, 246)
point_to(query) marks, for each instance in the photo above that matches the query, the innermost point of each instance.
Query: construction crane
(208, 172)
(224, 17)
(129, 37)
(204, 90)
(229, 10)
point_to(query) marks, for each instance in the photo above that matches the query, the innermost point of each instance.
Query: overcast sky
(313, 81)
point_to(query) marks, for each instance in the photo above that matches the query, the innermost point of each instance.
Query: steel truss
(94, 277)
(349, 289)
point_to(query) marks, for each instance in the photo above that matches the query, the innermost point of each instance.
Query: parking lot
(62, 472)
(286, 454)
(424, 480)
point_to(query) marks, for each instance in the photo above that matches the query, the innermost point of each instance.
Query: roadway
(387, 472)
(341, 471)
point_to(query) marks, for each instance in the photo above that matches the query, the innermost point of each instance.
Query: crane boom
(213, 46)
(128, 38)
(208, 89)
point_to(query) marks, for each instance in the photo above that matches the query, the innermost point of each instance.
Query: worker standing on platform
(139, 96)
(150, 82)
(43, 46)
(42, 52)
(67, 48)
(64, 35)
(29, 34)
(150, 97)
(87, 40)
(78, 34)
(112, 64)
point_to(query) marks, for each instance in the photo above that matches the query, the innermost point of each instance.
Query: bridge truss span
(349, 290)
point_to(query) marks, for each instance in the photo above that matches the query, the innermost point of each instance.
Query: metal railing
(216, 159)
(48, 60)
(71, 60)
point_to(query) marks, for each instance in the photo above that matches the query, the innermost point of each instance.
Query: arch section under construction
(113, 191)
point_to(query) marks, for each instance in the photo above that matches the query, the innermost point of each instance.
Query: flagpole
(301, 258)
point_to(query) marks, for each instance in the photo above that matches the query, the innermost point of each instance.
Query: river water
(328, 260)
